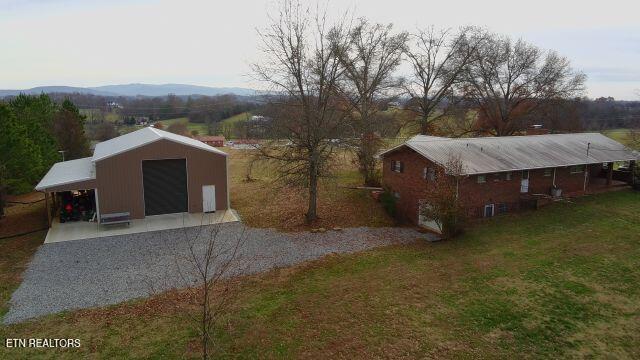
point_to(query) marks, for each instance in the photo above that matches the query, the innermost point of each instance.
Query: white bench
(115, 218)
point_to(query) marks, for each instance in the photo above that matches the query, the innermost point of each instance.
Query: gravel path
(97, 272)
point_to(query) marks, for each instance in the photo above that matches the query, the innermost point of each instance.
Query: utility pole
(586, 168)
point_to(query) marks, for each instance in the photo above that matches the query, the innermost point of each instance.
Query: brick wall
(412, 187)
(409, 184)
(495, 190)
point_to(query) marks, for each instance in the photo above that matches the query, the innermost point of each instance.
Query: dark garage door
(165, 186)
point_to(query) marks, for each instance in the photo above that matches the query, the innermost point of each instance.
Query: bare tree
(634, 133)
(368, 57)
(3, 191)
(103, 131)
(209, 260)
(508, 81)
(443, 205)
(302, 68)
(179, 128)
(633, 136)
(438, 59)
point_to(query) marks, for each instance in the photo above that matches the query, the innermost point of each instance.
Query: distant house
(111, 105)
(216, 141)
(244, 143)
(260, 118)
(503, 174)
(142, 120)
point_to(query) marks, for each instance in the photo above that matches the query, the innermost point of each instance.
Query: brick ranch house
(503, 174)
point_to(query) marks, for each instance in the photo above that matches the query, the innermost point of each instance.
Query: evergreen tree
(68, 129)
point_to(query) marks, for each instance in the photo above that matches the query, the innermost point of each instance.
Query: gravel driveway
(97, 272)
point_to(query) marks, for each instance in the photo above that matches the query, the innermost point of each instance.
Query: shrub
(388, 202)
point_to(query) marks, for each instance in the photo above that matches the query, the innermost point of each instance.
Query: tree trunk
(205, 326)
(424, 126)
(312, 211)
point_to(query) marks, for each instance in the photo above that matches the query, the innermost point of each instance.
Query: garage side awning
(79, 174)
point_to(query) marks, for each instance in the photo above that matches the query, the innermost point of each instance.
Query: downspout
(95, 195)
(554, 177)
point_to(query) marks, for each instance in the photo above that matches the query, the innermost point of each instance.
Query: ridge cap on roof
(154, 130)
(443, 138)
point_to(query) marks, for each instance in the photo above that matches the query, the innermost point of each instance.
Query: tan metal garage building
(147, 172)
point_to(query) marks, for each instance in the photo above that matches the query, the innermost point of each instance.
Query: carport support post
(609, 173)
(46, 207)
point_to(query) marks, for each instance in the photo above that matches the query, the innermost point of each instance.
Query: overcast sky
(92, 43)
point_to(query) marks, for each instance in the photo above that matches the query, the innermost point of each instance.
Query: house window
(397, 166)
(429, 173)
(548, 172)
(576, 169)
(507, 175)
(482, 179)
(502, 208)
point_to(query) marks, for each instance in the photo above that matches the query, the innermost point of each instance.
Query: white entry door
(208, 198)
(524, 183)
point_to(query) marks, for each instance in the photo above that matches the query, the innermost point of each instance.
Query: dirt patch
(22, 218)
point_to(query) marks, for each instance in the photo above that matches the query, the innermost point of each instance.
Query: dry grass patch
(265, 202)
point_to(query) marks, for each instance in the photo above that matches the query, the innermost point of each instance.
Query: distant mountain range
(134, 90)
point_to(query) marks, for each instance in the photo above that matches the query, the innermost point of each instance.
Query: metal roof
(143, 137)
(67, 172)
(509, 153)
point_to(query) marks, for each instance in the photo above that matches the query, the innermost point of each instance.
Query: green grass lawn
(560, 282)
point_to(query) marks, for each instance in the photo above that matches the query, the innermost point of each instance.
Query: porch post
(46, 207)
(609, 173)
(586, 177)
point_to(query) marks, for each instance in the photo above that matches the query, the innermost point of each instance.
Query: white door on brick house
(427, 223)
(208, 198)
(524, 183)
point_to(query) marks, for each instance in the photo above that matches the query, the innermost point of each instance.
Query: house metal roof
(144, 136)
(67, 172)
(509, 153)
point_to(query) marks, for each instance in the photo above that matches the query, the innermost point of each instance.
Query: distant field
(202, 129)
(237, 118)
(620, 135)
(96, 114)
